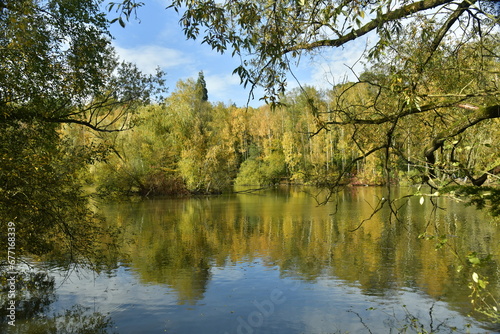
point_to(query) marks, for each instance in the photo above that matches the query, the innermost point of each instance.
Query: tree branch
(84, 123)
(387, 119)
(460, 126)
(447, 26)
(390, 16)
(480, 180)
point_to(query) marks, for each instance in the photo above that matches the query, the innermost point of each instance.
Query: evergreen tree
(201, 85)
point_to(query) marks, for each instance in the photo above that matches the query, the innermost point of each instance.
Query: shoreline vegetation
(187, 145)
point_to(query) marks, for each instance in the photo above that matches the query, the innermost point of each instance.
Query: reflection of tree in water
(183, 266)
(35, 292)
(176, 242)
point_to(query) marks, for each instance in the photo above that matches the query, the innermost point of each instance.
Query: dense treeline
(190, 145)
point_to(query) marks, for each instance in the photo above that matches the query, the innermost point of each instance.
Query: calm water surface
(276, 262)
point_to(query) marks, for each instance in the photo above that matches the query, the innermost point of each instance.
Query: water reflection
(178, 242)
(278, 263)
(27, 308)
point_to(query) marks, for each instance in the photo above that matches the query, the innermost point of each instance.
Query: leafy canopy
(58, 68)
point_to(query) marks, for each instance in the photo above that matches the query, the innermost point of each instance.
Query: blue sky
(156, 39)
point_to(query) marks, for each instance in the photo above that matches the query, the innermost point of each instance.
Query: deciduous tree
(58, 67)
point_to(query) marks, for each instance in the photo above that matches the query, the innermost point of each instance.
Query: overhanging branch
(388, 119)
(390, 16)
(84, 123)
(479, 115)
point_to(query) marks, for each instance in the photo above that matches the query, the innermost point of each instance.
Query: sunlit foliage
(58, 73)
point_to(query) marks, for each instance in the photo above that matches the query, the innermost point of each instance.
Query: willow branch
(390, 16)
(479, 115)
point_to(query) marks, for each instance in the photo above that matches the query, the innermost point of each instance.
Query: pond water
(276, 262)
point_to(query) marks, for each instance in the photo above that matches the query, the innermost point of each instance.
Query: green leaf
(474, 260)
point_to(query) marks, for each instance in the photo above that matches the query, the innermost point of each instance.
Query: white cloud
(226, 88)
(149, 57)
(221, 83)
(338, 66)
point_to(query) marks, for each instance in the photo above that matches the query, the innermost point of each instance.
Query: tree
(203, 138)
(58, 68)
(202, 86)
(442, 105)
(183, 145)
(144, 158)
